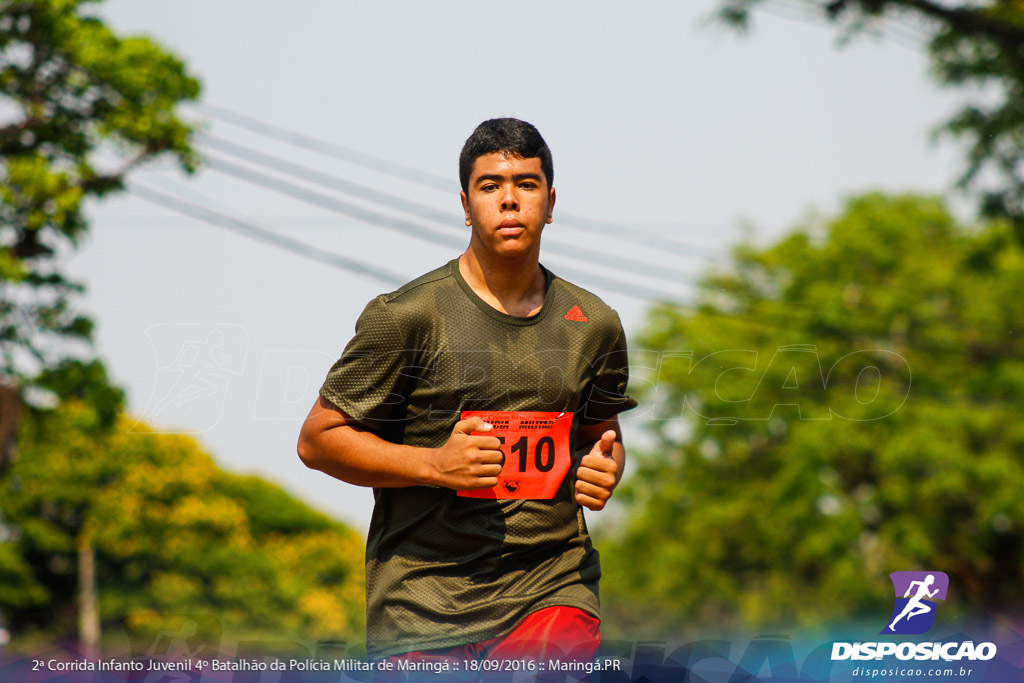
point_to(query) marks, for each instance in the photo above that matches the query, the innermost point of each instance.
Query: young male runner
(480, 402)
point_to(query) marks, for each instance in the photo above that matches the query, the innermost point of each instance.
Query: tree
(975, 46)
(850, 407)
(82, 108)
(86, 107)
(168, 532)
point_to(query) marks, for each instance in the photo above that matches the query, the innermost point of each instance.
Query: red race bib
(536, 448)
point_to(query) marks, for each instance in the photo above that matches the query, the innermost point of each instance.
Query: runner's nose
(509, 202)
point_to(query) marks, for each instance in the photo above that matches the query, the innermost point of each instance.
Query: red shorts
(563, 633)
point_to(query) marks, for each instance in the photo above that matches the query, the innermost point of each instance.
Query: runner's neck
(516, 288)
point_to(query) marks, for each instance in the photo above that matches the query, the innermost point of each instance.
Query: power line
(327, 180)
(641, 293)
(447, 219)
(808, 11)
(255, 232)
(293, 221)
(420, 232)
(646, 294)
(259, 234)
(342, 206)
(358, 267)
(270, 238)
(409, 228)
(324, 147)
(328, 148)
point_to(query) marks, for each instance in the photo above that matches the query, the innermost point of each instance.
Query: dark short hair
(512, 137)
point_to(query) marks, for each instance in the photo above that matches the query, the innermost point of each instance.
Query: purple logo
(916, 593)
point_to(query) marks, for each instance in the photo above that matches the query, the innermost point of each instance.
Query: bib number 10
(543, 452)
(536, 448)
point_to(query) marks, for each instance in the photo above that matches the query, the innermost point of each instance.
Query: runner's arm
(334, 443)
(601, 468)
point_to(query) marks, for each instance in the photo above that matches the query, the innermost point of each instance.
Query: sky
(672, 138)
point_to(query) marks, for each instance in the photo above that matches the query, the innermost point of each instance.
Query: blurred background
(808, 215)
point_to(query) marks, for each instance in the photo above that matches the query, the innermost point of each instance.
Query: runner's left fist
(598, 474)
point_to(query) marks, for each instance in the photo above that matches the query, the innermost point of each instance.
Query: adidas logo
(576, 314)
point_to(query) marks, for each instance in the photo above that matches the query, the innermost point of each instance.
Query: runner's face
(508, 204)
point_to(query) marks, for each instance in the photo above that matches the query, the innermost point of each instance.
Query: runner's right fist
(468, 461)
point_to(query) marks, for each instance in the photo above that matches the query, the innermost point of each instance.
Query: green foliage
(850, 407)
(86, 107)
(975, 46)
(85, 381)
(172, 533)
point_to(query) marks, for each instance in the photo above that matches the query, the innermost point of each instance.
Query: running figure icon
(915, 606)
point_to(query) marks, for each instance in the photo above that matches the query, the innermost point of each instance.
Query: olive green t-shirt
(443, 570)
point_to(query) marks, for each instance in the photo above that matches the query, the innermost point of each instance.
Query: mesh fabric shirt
(443, 570)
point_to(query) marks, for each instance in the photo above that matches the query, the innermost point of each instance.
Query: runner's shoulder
(415, 302)
(414, 289)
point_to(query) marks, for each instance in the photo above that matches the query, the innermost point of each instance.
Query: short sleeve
(605, 396)
(367, 383)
